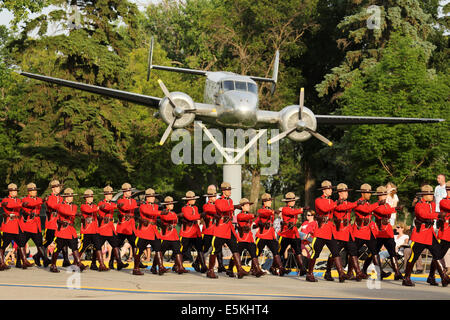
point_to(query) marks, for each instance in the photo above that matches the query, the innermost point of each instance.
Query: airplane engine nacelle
(289, 119)
(182, 100)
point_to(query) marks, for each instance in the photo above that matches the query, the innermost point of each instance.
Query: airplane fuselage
(235, 97)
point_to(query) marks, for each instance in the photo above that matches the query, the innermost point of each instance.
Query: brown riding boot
(349, 274)
(406, 279)
(120, 264)
(229, 271)
(211, 264)
(160, 262)
(445, 280)
(53, 267)
(340, 270)
(77, 260)
(179, 263)
(203, 267)
(258, 271)
(366, 265)
(102, 266)
(310, 274)
(65, 253)
(23, 254)
(301, 267)
(3, 265)
(237, 261)
(354, 264)
(93, 261)
(397, 274)
(327, 275)
(282, 271)
(431, 276)
(136, 270)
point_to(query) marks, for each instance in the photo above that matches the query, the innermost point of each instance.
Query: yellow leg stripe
(412, 253)
(212, 245)
(136, 241)
(181, 243)
(257, 250)
(279, 244)
(312, 247)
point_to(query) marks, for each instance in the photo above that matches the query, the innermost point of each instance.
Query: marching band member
(245, 238)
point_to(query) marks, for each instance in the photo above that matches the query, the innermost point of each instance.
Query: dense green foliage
(399, 69)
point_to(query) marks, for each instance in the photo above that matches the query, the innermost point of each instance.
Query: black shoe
(142, 266)
(93, 266)
(47, 262)
(66, 263)
(432, 281)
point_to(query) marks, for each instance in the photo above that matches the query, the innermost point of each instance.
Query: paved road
(39, 283)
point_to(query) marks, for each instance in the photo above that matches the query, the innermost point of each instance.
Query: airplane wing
(350, 120)
(113, 93)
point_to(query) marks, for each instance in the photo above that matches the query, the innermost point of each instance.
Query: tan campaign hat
(151, 193)
(12, 187)
(190, 195)
(108, 190)
(68, 193)
(88, 193)
(290, 196)
(168, 200)
(266, 197)
(381, 191)
(326, 185)
(225, 186)
(211, 192)
(244, 201)
(426, 190)
(126, 187)
(342, 187)
(55, 183)
(31, 186)
(365, 188)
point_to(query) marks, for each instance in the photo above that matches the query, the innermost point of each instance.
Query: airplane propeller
(177, 112)
(301, 125)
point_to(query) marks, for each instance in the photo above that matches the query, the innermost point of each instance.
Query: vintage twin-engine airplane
(231, 101)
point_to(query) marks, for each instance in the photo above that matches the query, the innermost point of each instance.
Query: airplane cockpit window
(252, 87)
(228, 85)
(241, 86)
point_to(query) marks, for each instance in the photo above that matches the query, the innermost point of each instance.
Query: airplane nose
(240, 109)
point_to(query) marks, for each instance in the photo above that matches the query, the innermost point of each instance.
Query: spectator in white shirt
(440, 192)
(392, 200)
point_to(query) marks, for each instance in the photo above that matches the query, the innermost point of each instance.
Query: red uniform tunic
(33, 207)
(444, 206)
(192, 229)
(107, 208)
(209, 209)
(343, 212)
(89, 212)
(266, 215)
(225, 210)
(149, 212)
(425, 211)
(363, 212)
(52, 205)
(66, 214)
(290, 215)
(245, 220)
(384, 212)
(324, 209)
(169, 220)
(127, 210)
(12, 207)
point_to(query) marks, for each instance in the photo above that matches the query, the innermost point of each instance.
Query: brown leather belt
(13, 217)
(321, 220)
(427, 223)
(106, 220)
(89, 220)
(65, 224)
(54, 214)
(362, 222)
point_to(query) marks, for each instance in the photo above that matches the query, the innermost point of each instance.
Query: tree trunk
(310, 181)
(254, 191)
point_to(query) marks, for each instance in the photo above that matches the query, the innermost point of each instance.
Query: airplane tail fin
(274, 78)
(150, 59)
